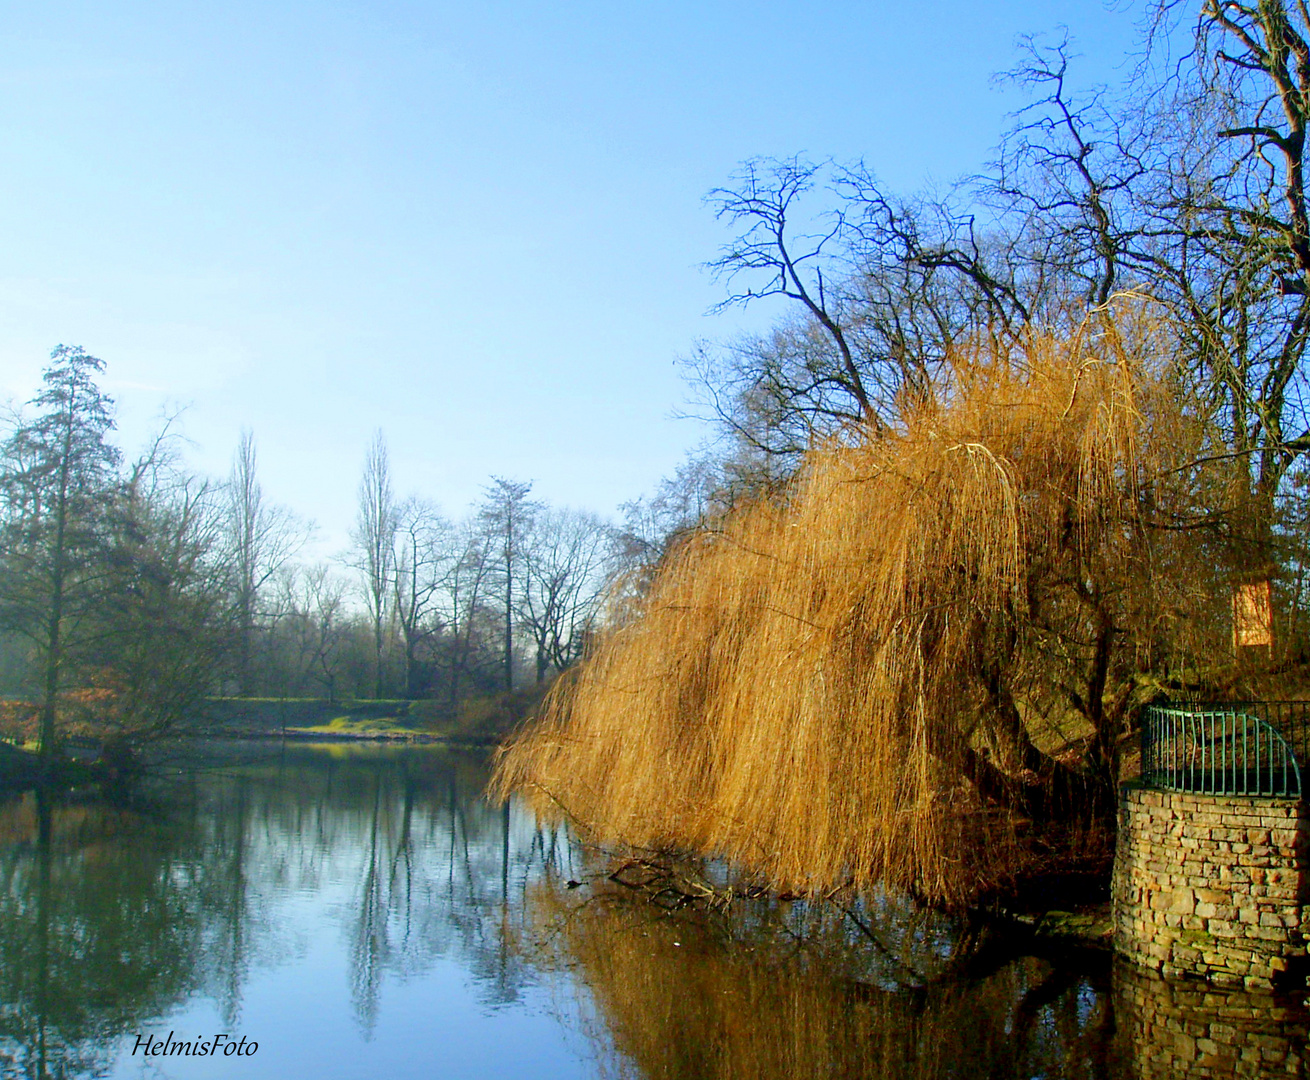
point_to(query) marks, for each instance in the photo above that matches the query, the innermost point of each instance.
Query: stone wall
(1212, 885)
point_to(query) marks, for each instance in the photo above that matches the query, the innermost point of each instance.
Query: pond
(358, 911)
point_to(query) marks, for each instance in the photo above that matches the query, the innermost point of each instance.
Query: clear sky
(477, 226)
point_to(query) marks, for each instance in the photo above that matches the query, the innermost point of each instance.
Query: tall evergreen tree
(56, 476)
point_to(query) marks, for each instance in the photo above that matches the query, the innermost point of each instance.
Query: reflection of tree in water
(110, 919)
(119, 917)
(436, 880)
(371, 947)
(784, 992)
(419, 865)
(772, 990)
(97, 934)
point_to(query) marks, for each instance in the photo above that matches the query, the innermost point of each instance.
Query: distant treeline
(131, 590)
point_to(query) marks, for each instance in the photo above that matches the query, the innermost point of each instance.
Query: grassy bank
(478, 721)
(481, 721)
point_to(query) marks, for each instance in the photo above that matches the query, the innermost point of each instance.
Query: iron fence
(1225, 749)
(1291, 719)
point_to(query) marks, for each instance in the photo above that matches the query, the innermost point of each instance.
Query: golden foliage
(86, 712)
(819, 688)
(19, 721)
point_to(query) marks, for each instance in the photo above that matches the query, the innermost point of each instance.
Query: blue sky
(476, 226)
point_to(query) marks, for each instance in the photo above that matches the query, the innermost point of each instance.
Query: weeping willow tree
(915, 665)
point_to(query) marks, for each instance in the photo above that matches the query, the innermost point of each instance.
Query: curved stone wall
(1213, 885)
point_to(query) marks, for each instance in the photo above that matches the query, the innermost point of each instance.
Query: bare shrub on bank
(914, 666)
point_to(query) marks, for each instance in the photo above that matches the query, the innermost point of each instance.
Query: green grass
(372, 726)
(484, 719)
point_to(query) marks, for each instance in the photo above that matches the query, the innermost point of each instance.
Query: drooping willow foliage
(914, 666)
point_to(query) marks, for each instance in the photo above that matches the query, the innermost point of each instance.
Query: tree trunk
(54, 649)
(509, 618)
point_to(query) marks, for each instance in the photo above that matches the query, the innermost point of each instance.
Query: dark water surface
(361, 912)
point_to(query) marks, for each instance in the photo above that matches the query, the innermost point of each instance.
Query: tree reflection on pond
(274, 890)
(99, 931)
(788, 992)
(783, 991)
(111, 918)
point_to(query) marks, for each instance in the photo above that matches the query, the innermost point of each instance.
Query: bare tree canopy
(1185, 185)
(422, 560)
(567, 569)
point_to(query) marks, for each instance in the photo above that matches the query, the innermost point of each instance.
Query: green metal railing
(1219, 750)
(1291, 719)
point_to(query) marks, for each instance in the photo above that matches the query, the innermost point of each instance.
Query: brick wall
(1212, 885)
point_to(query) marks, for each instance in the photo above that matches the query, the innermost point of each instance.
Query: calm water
(360, 912)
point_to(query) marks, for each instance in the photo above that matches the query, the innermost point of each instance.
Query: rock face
(1213, 885)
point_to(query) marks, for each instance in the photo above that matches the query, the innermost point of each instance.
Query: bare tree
(884, 287)
(374, 540)
(1233, 221)
(163, 613)
(506, 514)
(465, 589)
(1190, 188)
(778, 262)
(320, 603)
(421, 560)
(680, 504)
(567, 568)
(261, 539)
(1068, 182)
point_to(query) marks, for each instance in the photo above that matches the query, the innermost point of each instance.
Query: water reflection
(97, 933)
(1184, 1030)
(788, 992)
(798, 994)
(395, 848)
(272, 892)
(112, 918)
